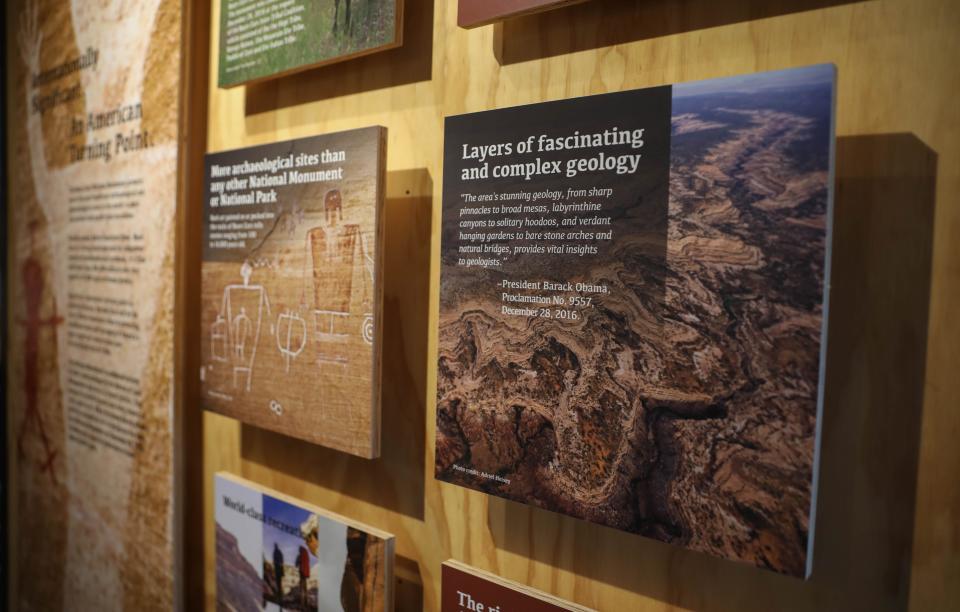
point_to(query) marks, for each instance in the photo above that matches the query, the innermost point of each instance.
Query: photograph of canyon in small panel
(634, 336)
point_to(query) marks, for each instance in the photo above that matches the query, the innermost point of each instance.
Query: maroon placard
(464, 591)
(473, 13)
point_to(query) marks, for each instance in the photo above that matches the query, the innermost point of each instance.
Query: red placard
(466, 589)
(475, 13)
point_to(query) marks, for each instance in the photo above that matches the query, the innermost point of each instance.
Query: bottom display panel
(278, 553)
(467, 589)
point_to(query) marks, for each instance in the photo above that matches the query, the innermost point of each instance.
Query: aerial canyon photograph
(682, 405)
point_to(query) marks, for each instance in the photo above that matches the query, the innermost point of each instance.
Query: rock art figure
(33, 282)
(219, 340)
(242, 312)
(291, 336)
(335, 253)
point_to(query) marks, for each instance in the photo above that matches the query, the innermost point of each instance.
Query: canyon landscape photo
(682, 403)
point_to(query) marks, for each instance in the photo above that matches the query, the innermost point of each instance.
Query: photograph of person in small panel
(308, 561)
(331, 550)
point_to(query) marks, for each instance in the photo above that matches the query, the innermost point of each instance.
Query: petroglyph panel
(291, 287)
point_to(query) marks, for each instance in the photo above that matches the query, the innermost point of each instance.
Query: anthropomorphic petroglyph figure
(242, 309)
(240, 329)
(291, 336)
(219, 340)
(33, 288)
(336, 256)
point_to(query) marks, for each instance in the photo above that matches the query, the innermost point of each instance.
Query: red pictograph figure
(33, 281)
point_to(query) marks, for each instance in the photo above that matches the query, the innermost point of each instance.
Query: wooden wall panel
(888, 532)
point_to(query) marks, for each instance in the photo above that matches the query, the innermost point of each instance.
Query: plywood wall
(888, 532)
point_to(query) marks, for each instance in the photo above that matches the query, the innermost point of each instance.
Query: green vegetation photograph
(320, 31)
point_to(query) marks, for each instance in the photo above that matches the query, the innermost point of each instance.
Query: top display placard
(475, 13)
(633, 292)
(261, 39)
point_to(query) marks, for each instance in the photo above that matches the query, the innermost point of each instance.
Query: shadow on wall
(601, 23)
(876, 363)
(408, 585)
(395, 481)
(410, 63)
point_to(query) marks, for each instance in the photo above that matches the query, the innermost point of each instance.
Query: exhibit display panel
(260, 39)
(646, 306)
(884, 507)
(632, 309)
(94, 115)
(467, 589)
(473, 13)
(290, 333)
(278, 553)
(690, 294)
